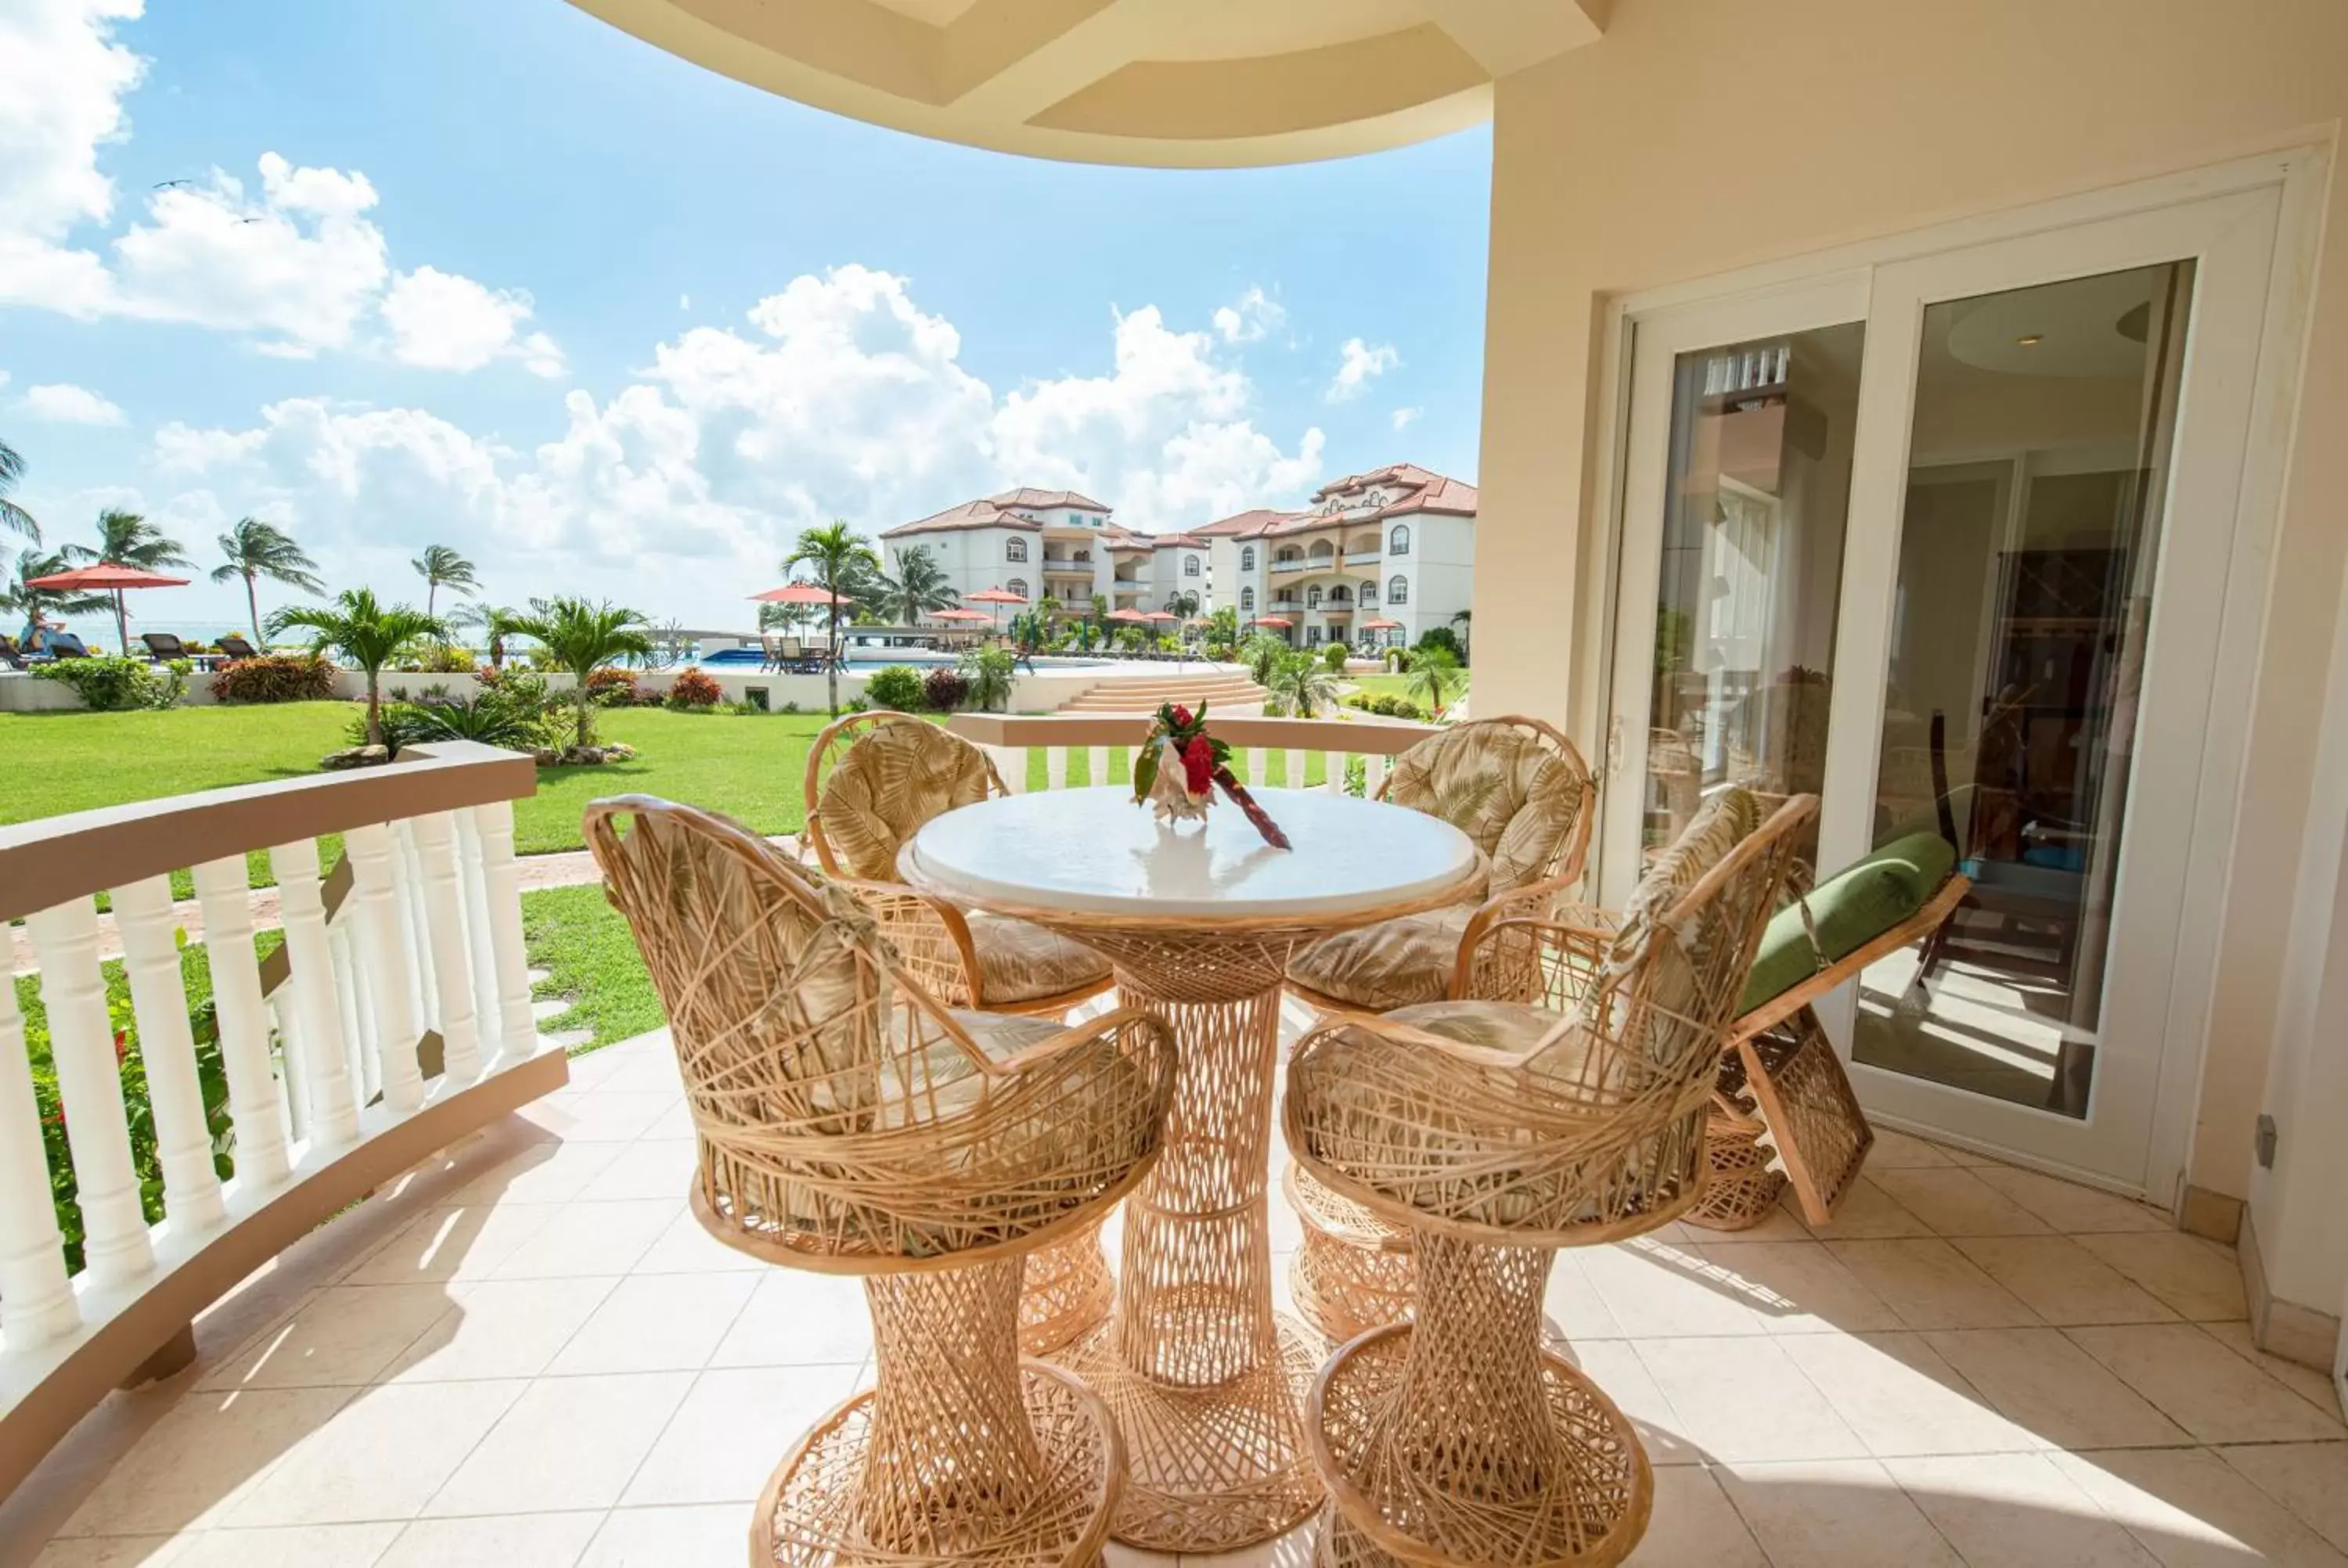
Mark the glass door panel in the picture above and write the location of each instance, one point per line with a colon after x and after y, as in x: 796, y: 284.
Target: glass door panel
x: 1756, y: 497
x: 2043, y: 426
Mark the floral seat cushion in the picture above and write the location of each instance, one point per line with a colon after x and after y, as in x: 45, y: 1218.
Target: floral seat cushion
x: 1515, y: 796
x: 1020, y: 962
x: 1391, y: 964
x: 889, y: 784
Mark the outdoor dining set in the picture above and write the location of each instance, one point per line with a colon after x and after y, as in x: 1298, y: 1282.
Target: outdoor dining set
x: 876, y: 1051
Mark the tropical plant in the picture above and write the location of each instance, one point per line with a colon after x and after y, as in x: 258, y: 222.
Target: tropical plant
x: 19, y: 596
x: 696, y: 691
x: 1301, y: 684
x: 844, y: 566
x: 1183, y: 602
x: 1333, y: 658
x: 1222, y: 633
x: 256, y: 549
x: 495, y: 622
x: 1387, y: 705
x: 126, y: 539
x: 612, y: 687
x: 1435, y: 676
x: 489, y: 717
x: 583, y: 638
x: 118, y: 685
x: 671, y: 646
x: 441, y: 566
x: 944, y: 690
x: 1262, y: 653
x: 897, y: 686
x: 14, y: 517
x: 987, y: 675
x: 1464, y: 621
x: 1441, y: 637
x: 274, y: 678
x: 366, y: 631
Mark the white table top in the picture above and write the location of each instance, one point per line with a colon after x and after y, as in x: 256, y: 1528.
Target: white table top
x: 1097, y: 851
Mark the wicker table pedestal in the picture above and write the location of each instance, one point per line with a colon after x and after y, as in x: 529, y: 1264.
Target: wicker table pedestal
x: 1205, y: 1382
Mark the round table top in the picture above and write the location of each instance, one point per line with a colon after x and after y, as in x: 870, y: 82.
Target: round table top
x: 1097, y: 852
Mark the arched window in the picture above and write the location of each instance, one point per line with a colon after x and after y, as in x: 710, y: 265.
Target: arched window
x: 1313, y: 597
x: 1398, y: 542
x: 1247, y: 558
x: 1369, y: 593
x: 1190, y: 565
x: 1247, y: 599
x: 1018, y: 585
x: 1015, y: 550
x: 1398, y: 590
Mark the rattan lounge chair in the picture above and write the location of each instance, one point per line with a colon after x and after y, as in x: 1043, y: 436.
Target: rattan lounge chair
x: 1496, y: 1133
x: 848, y: 1122
x: 872, y: 780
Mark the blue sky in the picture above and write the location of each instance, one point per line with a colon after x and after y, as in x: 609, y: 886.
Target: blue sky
x: 502, y: 288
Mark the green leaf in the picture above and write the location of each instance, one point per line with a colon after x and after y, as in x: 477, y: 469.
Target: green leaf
x: 1144, y: 771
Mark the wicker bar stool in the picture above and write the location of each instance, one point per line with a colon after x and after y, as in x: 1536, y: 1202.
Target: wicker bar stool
x: 850, y: 1123
x: 872, y: 779
x: 1496, y: 1133
x: 1523, y: 793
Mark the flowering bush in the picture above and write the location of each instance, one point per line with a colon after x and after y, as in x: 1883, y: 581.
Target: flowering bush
x: 695, y: 690
x: 611, y: 687
x: 944, y: 690
x: 275, y: 678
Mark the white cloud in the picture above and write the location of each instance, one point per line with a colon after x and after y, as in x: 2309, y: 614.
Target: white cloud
x: 1255, y: 314
x: 1358, y: 364
x: 440, y: 321
x: 62, y: 402
x: 842, y: 396
x: 1404, y: 418
x: 300, y: 264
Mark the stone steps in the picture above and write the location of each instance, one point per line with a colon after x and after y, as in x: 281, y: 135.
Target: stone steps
x: 1224, y: 690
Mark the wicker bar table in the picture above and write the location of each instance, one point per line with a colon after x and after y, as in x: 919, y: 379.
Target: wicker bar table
x: 1207, y: 1384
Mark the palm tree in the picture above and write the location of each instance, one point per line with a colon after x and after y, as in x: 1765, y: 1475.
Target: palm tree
x: 441, y: 568
x: 1300, y: 683
x: 20, y: 597
x: 364, y: 632
x: 1183, y: 602
x: 919, y: 588
x: 1433, y: 676
x: 1464, y: 621
x: 843, y: 564
x: 13, y: 516
x: 497, y: 622
x: 126, y: 539
x: 256, y: 549
x: 583, y: 638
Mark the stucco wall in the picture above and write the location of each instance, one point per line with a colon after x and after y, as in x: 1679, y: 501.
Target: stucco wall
x: 1704, y: 134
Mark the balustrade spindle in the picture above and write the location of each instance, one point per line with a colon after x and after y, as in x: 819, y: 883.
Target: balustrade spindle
x: 443, y: 903
x: 286, y: 1025
x: 385, y: 942
x: 1257, y: 766
x: 502, y: 879
x: 167, y: 1044
x: 1011, y: 762
x: 1097, y: 757
x: 331, y: 1107
x: 243, y: 1015
x: 1295, y: 777
x: 481, y: 959
x: 89, y: 1081
x: 1055, y: 768
x: 408, y: 888
x: 1374, y: 775
x: 37, y: 1300
x: 358, y: 1044
x: 1333, y: 772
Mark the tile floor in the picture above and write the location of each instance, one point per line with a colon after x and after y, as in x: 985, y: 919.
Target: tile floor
x: 529, y: 1354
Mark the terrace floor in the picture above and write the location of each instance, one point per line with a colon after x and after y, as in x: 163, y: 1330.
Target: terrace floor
x: 527, y: 1353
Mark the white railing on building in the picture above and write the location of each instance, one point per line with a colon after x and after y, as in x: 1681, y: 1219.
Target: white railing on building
x: 394, y: 1018
x: 1013, y: 742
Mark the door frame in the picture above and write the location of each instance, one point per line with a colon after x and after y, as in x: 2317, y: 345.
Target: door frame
x: 2301, y: 172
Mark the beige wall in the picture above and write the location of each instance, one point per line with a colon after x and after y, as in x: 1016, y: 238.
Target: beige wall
x: 1703, y: 135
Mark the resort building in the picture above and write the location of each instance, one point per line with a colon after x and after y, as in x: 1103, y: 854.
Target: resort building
x: 1053, y: 543
x: 1396, y: 544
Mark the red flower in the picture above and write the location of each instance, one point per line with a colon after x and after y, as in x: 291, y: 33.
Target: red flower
x: 1198, y: 765
x: 1182, y: 720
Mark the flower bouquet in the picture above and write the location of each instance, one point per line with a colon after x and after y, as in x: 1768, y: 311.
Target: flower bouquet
x: 1179, y: 765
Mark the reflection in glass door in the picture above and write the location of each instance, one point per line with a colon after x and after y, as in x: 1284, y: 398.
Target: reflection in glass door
x: 1757, y: 492
x: 2039, y: 457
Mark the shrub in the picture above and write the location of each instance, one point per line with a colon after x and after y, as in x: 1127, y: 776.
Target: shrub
x: 988, y: 673
x: 694, y: 689
x: 1334, y: 656
x: 275, y: 678
x: 1441, y: 637
x: 612, y: 687
x: 1386, y: 705
x: 119, y: 686
x: 944, y: 690
x: 897, y: 686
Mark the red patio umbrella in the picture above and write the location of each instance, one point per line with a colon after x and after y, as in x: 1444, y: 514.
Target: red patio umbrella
x: 1280, y: 621
x: 1132, y: 616
x: 994, y: 596
x: 799, y: 593
x: 958, y: 615
x: 1381, y: 624
x: 107, y: 576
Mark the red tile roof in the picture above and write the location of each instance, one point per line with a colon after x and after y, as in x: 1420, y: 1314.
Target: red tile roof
x: 1028, y: 495
x: 1166, y: 541
x: 1424, y: 491
x: 1245, y: 525
x: 969, y: 515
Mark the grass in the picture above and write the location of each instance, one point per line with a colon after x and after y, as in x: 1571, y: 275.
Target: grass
x: 1399, y: 686
x: 591, y: 962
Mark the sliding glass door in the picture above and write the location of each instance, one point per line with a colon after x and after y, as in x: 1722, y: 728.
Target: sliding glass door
x: 1955, y: 561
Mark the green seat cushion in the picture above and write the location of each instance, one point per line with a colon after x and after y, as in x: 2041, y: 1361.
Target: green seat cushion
x: 1849, y: 909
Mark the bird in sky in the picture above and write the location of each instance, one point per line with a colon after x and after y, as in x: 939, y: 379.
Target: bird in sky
x: 167, y: 184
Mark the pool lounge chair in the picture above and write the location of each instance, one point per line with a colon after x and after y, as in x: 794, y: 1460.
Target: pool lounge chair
x: 11, y: 656
x: 235, y: 647
x: 163, y: 647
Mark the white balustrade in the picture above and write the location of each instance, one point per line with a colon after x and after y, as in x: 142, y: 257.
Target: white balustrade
x: 1295, y: 777
x: 481, y: 958
x: 331, y: 1111
x: 89, y: 1084
x: 1098, y: 759
x: 516, y: 1020
x: 407, y: 890
x: 386, y: 944
x: 183, y: 1139
x: 36, y: 1302
x: 242, y: 1016
x: 442, y: 901
x: 1055, y: 768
